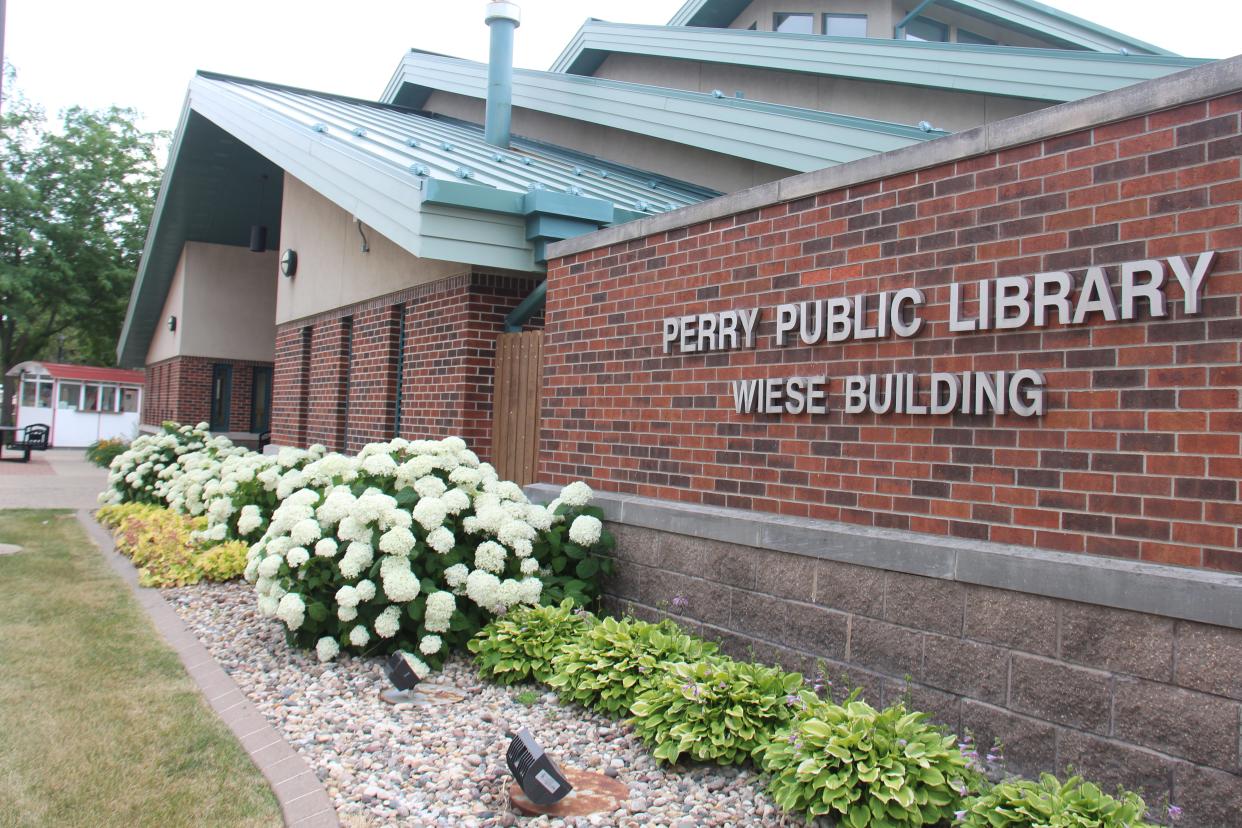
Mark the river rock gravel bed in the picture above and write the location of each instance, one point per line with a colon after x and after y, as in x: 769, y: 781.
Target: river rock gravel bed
x: 443, y: 764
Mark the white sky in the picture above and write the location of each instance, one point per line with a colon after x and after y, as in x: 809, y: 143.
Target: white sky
x: 142, y: 53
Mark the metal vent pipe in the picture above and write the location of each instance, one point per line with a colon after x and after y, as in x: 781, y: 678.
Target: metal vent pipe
x: 503, y: 19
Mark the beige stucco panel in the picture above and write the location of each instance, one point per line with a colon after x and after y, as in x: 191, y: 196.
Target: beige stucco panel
x: 230, y: 302
x: 332, y: 269
x: 166, y: 344
x: 896, y: 103
x: 698, y: 166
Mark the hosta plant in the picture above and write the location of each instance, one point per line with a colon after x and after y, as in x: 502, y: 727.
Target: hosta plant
x: 610, y: 665
x: 866, y: 767
x: 412, y: 546
x: 1052, y: 803
x: 717, y: 710
x: 520, y: 645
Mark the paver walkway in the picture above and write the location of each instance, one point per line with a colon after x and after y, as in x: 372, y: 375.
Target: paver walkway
x: 56, y: 479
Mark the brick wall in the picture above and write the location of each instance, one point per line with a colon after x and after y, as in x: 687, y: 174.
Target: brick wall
x: 1138, y: 455
x: 1126, y: 698
x: 450, y: 341
x: 179, y: 389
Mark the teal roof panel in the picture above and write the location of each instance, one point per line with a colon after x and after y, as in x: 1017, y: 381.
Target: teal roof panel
x: 1041, y: 74
x: 787, y: 137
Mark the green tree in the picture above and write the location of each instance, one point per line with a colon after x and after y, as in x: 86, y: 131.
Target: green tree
x: 74, y: 207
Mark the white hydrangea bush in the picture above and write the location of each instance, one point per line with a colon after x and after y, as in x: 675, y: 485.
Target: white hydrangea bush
x: 169, y: 468
x: 413, y: 546
x: 246, y: 489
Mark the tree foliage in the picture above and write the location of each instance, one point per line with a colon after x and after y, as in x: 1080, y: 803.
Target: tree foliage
x: 74, y: 207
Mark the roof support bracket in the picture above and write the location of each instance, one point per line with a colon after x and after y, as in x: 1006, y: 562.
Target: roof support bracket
x: 899, y: 31
x: 527, y: 308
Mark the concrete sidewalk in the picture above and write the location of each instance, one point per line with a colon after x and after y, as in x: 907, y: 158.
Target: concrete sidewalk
x: 56, y: 479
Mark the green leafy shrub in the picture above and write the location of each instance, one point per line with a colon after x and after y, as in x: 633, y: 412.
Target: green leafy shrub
x: 224, y: 561
x: 520, y: 645
x: 719, y: 710
x: 102, y: 452
x: 866, y: 767
x: 1049, y: 802
x: 611, y: 664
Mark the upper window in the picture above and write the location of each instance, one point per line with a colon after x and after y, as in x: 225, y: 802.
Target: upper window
x: 923, y: 28
x: 967, y: 36
x: 37, y: 393
x: 792, y: 23
x: 845, y: 25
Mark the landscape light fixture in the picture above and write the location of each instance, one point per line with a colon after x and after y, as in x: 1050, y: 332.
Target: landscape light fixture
x: 400, y: 672
x: 536, y: 774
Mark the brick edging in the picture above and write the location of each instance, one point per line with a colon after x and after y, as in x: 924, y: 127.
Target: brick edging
x: 304, y: 803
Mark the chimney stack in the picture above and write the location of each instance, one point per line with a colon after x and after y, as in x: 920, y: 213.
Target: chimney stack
x: 502, y: 19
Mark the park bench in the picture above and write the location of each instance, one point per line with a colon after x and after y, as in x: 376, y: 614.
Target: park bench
x: 33, y: 438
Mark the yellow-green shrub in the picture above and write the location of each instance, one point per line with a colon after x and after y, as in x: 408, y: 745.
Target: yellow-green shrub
x: 225, y: 561
x: 161, y: 543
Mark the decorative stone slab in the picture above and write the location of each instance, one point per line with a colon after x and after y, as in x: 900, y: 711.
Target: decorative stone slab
x: 425, y: 695
x: 9, y: 549
x: 593, y: 793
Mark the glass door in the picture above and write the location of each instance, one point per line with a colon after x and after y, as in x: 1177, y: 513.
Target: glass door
x: 221, y: 396
x: 261, y: 401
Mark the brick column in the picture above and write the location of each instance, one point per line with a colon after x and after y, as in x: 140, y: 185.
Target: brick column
x: 326, y: 397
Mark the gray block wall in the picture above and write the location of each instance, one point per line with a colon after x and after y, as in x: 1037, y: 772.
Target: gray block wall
x: 1130, y: 698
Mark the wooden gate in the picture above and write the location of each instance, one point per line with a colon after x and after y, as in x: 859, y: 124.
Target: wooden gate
x: 515, y: 409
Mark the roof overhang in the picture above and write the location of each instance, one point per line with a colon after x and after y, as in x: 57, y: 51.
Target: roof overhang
x: 1039, y: 74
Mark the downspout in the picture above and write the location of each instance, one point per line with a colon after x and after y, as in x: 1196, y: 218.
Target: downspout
x: 899, y: 31
x: 503, y: 19
x: 526, y: 309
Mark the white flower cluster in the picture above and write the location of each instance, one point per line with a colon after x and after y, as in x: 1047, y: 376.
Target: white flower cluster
x: 422, y: 499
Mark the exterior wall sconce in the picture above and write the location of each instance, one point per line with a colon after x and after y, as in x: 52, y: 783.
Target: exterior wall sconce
x: 172, y: 323
x: 289, y: 262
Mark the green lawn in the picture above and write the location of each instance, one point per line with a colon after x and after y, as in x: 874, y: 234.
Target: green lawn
x: 99, y: 722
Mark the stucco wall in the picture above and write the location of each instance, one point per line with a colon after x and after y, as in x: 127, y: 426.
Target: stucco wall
x: 165, y: 344
x: 224, y: 299
x: 332, y: 269
x: 943, y: 108
x: 702, y: 167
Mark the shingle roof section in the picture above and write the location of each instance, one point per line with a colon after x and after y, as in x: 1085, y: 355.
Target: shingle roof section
x: 1040, y: 74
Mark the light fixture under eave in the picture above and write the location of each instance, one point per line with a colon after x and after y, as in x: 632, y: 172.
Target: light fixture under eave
x: 258, y: 238
x: 172, y: 323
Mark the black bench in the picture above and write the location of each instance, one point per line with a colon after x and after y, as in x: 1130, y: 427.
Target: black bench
x: 34, y: 438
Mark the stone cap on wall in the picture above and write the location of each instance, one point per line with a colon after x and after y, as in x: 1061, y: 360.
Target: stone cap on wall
x: 1211, y: 79
x: 1173, y: 592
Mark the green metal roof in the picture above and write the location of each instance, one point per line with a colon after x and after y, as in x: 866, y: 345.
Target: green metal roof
x: 430, y: 184
x: 788, y: 137
x: 1041, y: 74
x: 1027, y: 16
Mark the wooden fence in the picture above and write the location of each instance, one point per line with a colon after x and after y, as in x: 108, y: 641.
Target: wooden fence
x: 515, y: 413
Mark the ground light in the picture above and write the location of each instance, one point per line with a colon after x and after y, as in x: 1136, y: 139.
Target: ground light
x: 401, y: 673
x: 540, y: 787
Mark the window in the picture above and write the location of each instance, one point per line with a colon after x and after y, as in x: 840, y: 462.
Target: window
x: 924, y: 28
x: 70, y: 396
x: 90, y: 398
x: 845, y: 25
x: 107, y: 399
x: 129, y: 400
x: 37, y: 393
x: 793, y: 23
x: 261, y: 400
x: 221, y: 396
x: 967, y: 36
